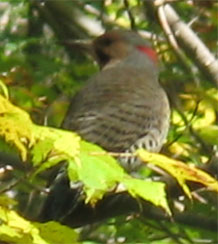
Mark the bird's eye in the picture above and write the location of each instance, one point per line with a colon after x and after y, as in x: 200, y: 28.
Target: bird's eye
x: 106, y: 42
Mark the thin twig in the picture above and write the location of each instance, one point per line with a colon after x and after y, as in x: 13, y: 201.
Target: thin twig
x: 172, y: 40
x: 173, y: 236
x: 113, y: 154
x: 188, y: 123
x: 131, y: 18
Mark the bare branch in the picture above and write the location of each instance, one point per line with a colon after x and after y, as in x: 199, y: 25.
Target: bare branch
x: 193, y: 46
x: 172, y: 40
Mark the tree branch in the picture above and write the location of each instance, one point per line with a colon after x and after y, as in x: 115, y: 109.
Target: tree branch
x: 193, y: 46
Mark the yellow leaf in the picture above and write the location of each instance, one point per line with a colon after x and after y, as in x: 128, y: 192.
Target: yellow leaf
x: 181, y: 171
x: 15, y: 126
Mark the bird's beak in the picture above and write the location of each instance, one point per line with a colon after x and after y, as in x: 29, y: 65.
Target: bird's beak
x: 85, y: 46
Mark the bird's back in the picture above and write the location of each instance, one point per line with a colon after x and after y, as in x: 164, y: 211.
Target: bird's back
x: 121, y: 109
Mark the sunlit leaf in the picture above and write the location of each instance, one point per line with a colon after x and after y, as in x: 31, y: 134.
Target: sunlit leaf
x: 4, y: 89
x: 56, y: 142
x: 182, y: 172
x: 54, y: 232
x: 151, y: 191
x: 18, y: 230
x: 15, y: 126
x: 88, y: 163
x: 97, y: 170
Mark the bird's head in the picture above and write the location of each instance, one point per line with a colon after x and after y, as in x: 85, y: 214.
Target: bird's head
x: 117, y: 45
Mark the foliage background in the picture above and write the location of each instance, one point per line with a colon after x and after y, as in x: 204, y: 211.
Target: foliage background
x: 42, y: 71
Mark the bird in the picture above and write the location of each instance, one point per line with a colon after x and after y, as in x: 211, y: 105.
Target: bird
x: 122, y: 107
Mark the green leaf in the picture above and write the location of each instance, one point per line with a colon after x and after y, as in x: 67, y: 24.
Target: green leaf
x: 97, y: 170
x: 56, y: 142
x: 5, y: 201
x: 53, y: 232
x: 15, y: 229
x: 151, y: 191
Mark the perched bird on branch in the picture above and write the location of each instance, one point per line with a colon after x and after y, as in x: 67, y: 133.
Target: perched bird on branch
x: 122, y: 107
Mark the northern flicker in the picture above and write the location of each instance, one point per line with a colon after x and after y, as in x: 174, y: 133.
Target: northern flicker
x: 122, y: 107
